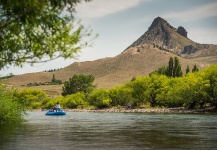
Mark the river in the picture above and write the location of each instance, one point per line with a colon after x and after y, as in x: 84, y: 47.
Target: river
x: 92, y: 130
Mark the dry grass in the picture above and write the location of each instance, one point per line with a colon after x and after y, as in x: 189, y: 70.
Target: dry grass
x: 109, y: 72
x: 206, y: 60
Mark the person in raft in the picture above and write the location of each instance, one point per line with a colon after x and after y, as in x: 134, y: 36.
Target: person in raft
x: 57, y: 107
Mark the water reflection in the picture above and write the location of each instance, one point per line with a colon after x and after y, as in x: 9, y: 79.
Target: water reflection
x: 83, y: 130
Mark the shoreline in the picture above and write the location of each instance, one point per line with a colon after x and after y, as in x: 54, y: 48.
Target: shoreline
x: 146, y: 110
x: 178, y: 110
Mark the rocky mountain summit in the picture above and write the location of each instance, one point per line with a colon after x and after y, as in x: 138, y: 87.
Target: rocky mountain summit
x: 167, y: 37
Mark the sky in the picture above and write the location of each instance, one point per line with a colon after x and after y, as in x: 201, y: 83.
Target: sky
x: 119, y: 23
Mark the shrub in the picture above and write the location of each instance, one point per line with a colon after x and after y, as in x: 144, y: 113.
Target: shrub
x: 11, y: 110
x: 100, y: 98
x: 121, y: 95
x: 75, y: 100
x: 29, y: 97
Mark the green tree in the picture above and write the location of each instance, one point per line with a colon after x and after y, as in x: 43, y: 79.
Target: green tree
x: 155, y: 88
x: 53, y: 79
x: 160, y: 71
x: 174, y: 68
x: 139, y: 88
x: 100, y: 98
x: 170, y: 68
x: 194, y: 90
x: 121, y: 95
x: 78, y: 83
x: 177, y: 70
x: 74, y: 100
x: 32, y: 30
x: 211, y: 76
x: 187, y: 70
x: 195, y: 68
x: 169, y: 95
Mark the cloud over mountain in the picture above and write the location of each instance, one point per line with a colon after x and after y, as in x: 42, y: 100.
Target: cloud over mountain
x: 97, y: 8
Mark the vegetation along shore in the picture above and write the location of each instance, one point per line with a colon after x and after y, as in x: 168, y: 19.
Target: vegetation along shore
x: 160, y: 92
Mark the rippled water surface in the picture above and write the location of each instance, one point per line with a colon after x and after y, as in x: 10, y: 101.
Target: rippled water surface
x: 89, y: 130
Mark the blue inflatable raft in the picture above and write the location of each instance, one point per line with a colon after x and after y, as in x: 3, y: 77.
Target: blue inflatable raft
x: 55, y: 113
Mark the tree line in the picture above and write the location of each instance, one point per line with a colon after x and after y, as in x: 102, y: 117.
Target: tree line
x: 194, y: 90
x: 53, y: 81
x: 174, y: 69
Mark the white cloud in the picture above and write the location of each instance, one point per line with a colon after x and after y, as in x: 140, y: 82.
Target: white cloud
x: 100, y: 8
x: 199, y: 12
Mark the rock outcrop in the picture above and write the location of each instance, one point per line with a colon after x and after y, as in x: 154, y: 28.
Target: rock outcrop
x: 181, y: 30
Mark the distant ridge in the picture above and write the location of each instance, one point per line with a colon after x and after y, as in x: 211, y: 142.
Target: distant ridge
x: 149, y: 52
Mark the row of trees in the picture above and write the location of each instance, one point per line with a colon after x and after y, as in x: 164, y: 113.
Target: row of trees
x: 53, y: 81
x: 174, y: 69
x: 194, y: 90
x: 52, y: 70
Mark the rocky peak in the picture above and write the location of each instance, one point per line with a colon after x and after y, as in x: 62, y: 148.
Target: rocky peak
x: 162, y: 34
x: 159, y: 33
x: 158, y: 22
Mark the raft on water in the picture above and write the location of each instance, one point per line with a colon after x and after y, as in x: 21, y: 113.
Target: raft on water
x: 55, y: 113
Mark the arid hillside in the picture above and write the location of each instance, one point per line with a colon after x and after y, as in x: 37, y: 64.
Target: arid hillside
x: 151, y: 51
x: 111, y: 72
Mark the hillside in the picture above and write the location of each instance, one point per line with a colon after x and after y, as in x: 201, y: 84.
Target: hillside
x: 149, y: 52
x: 110, y: 72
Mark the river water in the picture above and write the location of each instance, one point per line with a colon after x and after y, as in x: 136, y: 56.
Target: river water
x: 91, y: 130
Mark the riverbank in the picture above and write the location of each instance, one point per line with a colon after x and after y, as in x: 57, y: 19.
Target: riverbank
x: 147, y: 110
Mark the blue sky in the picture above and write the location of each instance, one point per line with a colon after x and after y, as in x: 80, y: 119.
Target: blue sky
x: 120, y: 22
